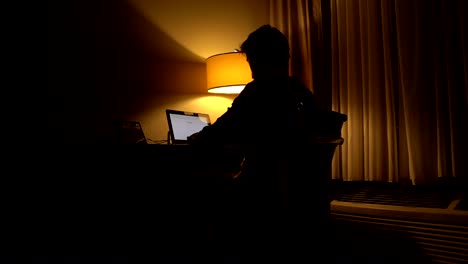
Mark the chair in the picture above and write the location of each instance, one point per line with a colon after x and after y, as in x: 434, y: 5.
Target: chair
x: 303, y: 208
x: 309, y: 170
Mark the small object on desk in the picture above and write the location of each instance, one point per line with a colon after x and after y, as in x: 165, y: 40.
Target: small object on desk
x: 128, y: 132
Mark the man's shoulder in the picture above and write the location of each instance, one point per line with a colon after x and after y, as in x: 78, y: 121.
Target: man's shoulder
x: 246, y: 93
x: 302, y: 94
x: 298, y: 85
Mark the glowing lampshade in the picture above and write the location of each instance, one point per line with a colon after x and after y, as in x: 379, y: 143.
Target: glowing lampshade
x: 227, y: 73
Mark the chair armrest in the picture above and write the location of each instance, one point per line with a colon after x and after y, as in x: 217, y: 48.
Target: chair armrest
x: 327, y: 140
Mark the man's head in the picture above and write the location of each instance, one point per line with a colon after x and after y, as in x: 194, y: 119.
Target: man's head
x: 267, y: 51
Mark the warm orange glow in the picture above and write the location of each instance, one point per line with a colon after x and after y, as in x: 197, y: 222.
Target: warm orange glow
x: 227, y: 73
x: 202, y: 27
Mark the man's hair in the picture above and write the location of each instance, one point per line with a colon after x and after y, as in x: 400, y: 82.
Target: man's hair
x: 266, y: 45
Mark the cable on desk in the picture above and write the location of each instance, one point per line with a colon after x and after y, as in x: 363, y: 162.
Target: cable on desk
x: 162, y: 141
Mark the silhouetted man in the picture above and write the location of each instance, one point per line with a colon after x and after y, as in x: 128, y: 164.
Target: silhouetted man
x: 269, y: 122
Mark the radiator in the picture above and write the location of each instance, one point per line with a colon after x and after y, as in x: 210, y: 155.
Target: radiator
x: 441, y: 234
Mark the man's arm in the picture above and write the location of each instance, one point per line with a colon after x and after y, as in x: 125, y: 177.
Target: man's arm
x: 225, y: 130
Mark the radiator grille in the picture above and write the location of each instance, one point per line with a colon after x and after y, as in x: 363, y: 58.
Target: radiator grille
x: 392, y: 196
x: 442, y: 234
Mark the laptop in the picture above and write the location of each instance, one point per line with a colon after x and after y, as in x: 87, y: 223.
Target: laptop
x: 182, y: 124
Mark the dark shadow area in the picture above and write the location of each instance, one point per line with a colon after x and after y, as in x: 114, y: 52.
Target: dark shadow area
x: 358, y: 243
x: 141, y: 204
x: 135, y: 203
x: 462, y: 205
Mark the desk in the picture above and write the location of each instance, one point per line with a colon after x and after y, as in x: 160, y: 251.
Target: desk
x: 124, y: 200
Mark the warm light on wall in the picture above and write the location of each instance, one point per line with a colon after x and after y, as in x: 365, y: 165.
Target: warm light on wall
x: 227, y: 73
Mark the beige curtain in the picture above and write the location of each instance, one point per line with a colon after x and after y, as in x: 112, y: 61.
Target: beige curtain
x: 399, y: 71
x: 363, y: 86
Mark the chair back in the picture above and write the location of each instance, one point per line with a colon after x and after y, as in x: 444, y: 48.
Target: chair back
x: 307, y: 177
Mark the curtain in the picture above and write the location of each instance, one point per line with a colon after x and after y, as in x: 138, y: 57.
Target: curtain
x: 303, y: 23
x: 363, y: 83
x: 399, y: 70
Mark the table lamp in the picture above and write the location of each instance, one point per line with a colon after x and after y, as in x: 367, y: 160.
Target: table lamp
x: 227, y: 73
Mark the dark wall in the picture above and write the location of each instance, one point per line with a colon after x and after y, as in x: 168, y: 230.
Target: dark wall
x: 105, y: 62
x: 71, y: 77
